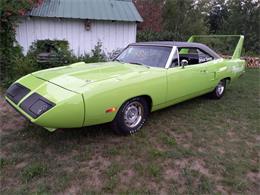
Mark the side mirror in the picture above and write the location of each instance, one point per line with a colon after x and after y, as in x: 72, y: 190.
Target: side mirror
x: 184, y: 63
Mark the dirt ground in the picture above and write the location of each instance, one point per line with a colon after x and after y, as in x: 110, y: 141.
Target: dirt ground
x: 5, y: 123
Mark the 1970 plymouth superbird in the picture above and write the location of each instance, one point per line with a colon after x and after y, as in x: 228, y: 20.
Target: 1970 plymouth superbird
x: 143, y: 78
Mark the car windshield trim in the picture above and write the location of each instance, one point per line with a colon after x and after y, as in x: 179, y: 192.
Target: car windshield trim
x: 151, y: 47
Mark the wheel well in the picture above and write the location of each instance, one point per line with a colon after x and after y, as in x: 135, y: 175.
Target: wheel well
x: 149, y: 100
x: 228, y: 79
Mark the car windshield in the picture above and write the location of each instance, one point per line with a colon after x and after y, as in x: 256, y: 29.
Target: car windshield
x: 154, y: 56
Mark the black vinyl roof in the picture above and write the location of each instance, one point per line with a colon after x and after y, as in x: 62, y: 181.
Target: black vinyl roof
x: 181, y: 44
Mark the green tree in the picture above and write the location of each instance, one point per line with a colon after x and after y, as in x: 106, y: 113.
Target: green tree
x: 10, y: 10
x: 244, y: 17
x: 217, y: 15
x: 184, y: 18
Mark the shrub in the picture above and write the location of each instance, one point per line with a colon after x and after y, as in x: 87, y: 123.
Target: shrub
x: 58, y: 55
x: 113, y: 54
x: 25, y: 66
x: 10, y: 11
x: 96, y: 55
x: 51, y: 53
x: 7, y: 65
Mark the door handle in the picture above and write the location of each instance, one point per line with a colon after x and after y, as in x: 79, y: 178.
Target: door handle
x: 204, y: 71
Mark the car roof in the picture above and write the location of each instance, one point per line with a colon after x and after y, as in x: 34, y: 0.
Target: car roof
x: 180, y: 44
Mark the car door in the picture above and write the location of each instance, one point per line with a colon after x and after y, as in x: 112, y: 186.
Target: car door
x: 184, y: 82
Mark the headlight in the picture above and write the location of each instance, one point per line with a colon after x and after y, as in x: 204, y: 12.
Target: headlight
x: 35, y: 105
x: 16, y: 92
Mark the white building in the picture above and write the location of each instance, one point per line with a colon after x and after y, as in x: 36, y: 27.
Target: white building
x: 82, y: 23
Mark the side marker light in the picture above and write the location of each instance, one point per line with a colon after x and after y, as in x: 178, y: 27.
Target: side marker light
x: 113, y: 109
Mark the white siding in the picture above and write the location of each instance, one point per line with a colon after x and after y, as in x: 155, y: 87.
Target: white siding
x: 113, y: 35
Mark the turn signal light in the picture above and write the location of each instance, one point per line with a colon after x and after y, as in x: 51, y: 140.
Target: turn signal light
x: 113, y: 109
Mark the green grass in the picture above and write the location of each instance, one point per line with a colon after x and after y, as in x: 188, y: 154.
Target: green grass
x: 201, y: 146
x: 168, y: 140
x: 197, y: 183
x: 112, y: 175
x: 113, y: 170
x: 32, y: 171
x: 3, y: 162
x: 153, y: 170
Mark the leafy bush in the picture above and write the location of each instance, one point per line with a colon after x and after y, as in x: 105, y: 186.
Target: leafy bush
x: 113, y: 54
x: 57, y: 53
x: 24, y: 66
x: 96, y: 55
x: 10, y: 11
x: 60, y: 55
x: 7, y: 64
x: 20, y: 66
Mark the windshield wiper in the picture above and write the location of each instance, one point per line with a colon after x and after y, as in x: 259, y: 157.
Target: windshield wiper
x: 119, y: 61
x: 137, y: 63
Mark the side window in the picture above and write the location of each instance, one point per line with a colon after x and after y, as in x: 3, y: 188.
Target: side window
x: 203, y: 57
x: 193, y: 56
x: 192, y: 51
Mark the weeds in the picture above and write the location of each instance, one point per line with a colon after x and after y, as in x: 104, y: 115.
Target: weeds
x: 32, y: 171
x: 112, y: 151
x: 154, y: 170
x: 112, y: 173
x: 3, y: 162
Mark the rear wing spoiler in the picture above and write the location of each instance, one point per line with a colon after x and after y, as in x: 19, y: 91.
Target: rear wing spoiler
x: 239, y: 46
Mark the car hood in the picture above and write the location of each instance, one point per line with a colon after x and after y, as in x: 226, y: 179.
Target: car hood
x: 74, y: 77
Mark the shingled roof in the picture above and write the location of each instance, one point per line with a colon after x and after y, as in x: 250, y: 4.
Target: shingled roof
x: 115, y: 10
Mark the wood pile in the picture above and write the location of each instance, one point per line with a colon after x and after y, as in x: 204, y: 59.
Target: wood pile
x: 252, y: 62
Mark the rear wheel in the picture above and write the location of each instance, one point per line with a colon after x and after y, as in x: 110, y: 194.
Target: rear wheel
x: 131, y: 116
x: 219, y: 90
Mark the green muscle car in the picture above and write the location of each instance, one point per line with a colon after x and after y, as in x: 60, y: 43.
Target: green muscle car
x: 143, y: 78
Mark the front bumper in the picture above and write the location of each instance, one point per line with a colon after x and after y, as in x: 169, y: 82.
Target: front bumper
x: 48, y: 105
x: 25, y: 115
x: 34, y: 105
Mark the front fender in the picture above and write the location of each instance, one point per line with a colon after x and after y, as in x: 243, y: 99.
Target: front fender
x: 112, y: 93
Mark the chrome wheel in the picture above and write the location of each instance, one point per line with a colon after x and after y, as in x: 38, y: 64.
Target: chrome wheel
x: 220, y: 89
x: 133, y: 114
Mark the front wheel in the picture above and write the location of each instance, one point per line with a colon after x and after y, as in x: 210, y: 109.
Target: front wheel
x: 131, y: 116
x: 219, y: 90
